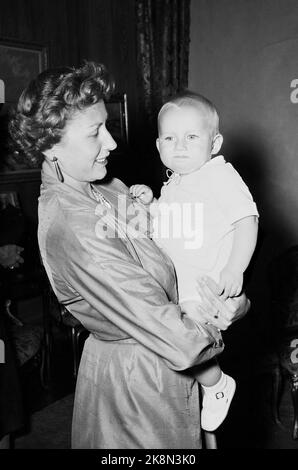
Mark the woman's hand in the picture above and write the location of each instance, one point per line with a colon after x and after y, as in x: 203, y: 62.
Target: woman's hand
x: 217, y: 311
x: 192, y: 309
x: 10, y: 256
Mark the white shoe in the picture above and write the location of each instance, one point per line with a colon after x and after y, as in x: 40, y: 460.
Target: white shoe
x: 215, y: 406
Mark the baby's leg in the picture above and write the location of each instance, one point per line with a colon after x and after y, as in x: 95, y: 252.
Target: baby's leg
x: 209, y: 374
x: 218, y: 391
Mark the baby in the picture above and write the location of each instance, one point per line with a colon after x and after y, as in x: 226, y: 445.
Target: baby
x: 206, y: 199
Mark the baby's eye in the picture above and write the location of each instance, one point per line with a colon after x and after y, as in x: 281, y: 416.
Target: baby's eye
x: 169, y: 138
x: 192, y: 136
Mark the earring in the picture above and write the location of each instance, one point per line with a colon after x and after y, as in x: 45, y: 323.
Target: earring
x: 58, y: 170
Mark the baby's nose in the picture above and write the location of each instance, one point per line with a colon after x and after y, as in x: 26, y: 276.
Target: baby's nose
x: 180, y: 143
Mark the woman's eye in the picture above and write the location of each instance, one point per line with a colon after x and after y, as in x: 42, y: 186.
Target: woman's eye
x: 95, y: 134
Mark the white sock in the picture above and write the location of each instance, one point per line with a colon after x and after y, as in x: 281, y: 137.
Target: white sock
x: 218, y: 387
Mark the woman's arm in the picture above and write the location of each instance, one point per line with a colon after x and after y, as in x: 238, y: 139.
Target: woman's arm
x: 107, y: 289
x: 115, y: 298
x: 214, y: 309
x: 125, y: 295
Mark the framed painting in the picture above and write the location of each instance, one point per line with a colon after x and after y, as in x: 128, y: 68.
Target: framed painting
x: 19, y: 63
x: 117, y: 122
x: 9, y: 198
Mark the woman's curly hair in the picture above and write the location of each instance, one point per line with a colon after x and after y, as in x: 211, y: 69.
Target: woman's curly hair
x: 49, y: 100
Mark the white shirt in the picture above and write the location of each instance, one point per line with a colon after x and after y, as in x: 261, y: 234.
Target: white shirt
x: 194, y: 221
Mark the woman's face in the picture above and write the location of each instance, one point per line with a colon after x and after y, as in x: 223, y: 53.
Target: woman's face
x: 85, y: 145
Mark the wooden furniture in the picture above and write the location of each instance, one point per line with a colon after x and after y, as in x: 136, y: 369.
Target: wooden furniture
x: 19, y: 191
x: 209, y: 440
x: 283, y: 274
x: 117, y: 122
x: 30, y: 342
x: 78, y: 335
x: 26, y: 183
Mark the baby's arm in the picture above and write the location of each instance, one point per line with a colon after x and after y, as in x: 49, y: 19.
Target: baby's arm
x: 142, y: 193
x: 245, y: 239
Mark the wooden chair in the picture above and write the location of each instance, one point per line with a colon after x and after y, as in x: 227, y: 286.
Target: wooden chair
x: 78, y: 335
x: 32, y: 342
x: 76, y: 330
x: 23, y: 283
x: 210, y: 440
x: 283, y: 275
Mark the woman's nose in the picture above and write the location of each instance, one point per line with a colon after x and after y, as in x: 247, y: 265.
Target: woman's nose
x: 110, y: 142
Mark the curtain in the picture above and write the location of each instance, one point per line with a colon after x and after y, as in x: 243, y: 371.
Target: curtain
x: 162, y: 64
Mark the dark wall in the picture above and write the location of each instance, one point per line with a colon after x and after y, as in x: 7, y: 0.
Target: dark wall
x: 74, y: 30
x: 243, y: 56
x: 52, y: 23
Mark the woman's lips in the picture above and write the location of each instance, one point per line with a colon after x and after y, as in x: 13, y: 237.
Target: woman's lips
x: 102, y: 160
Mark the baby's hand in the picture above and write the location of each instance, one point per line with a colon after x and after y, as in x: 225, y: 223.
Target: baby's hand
x: 142, y: 193
x: 230, y: 283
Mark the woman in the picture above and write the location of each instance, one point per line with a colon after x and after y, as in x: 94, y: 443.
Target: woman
x: 135, y: 387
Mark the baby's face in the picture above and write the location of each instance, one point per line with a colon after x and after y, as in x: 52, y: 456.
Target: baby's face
x: 185, y: 139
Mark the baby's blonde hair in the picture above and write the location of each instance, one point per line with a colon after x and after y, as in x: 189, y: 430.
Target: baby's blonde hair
x: 189, y: 98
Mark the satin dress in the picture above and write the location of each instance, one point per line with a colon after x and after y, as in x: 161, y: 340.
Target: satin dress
x: 135, y: 388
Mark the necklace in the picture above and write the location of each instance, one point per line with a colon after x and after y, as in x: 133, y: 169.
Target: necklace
x: 99, y: 197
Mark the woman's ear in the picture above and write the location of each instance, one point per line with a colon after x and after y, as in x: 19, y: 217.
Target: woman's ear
x: 48, y: 153
x: 217, y: 143
x: 157, y: 144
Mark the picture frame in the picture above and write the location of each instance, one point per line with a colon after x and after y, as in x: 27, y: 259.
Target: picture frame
x: 9, y: 198
x: 117, y: 121
x: 20, y: 62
